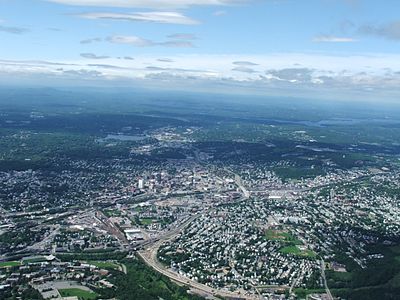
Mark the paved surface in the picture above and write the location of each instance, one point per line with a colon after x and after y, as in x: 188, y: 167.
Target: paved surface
x: 149, y: 256
x: 324, y: 280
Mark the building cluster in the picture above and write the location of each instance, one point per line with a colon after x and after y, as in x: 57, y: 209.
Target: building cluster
x: 50, y: 277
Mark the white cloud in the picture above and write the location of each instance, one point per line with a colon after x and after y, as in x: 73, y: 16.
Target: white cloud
x: 389, y: 31
x: 166, y: 60
x: 93, y: 56
x: 90, y: 41
x: 13, y: 29
x: 182, y: 36
x: 219, y: 13
x: 176, y: 44
x: 244, y: 63
x: 130, y: 40
x: 292, y: 75
x: 244, y: 70
x: 160, y: 4
x: 154, y: 17
x: 318, y: 72
x: 141, y: 42
x: 333, y: 39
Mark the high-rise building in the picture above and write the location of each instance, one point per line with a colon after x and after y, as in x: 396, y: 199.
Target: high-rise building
x: 141, y: 183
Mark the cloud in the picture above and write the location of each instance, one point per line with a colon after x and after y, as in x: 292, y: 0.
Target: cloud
x: 182, y: 36
x: 153, y: 17
x: 86, y: 74
x: 333, y: 39
x: 160, y: 4
x: 244, y: 70
x: 141, y: 42
x: 93, y: 56
x: 105, y: 66
x: 244, y: 63
x: 175, y: 70
x: 13, y: 30
x: 35, y: 62
x: 130, y: 40
x: 346, y: 26
x: 54, y: 29
x: 167, y: 60
x: 219, y: 13
x: 90, y: 41
x: 293, y: 75
x: 389, y: 31
x: 348, y: 30
x: 319, y: 74
x: 176, y: 44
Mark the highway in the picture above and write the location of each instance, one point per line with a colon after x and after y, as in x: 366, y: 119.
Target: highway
x: 324, y: 280
x: 149, y: 256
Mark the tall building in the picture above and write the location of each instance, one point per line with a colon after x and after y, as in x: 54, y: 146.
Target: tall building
x: 158, y: 177
x: 141, y: 183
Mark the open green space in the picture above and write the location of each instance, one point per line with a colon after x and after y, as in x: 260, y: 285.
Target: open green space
x: 7, y: 264
x: 281, y: 235
x: 380, y: 280
x: 112, y: 213
x: 142, y: 282
x: 146, y: 221
x: 81, y: 294
x: 34, y: 260
x: 296, y: 251
x: 339, y: 276
x: 302, y: 293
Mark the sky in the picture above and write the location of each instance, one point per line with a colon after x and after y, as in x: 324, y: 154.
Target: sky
x: 340, y: 49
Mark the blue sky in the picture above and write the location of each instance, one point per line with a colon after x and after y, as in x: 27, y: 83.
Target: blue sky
x: 349, y: 47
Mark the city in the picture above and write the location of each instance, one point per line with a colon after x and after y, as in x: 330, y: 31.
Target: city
x: 224, y: 230
x: 199, y: 150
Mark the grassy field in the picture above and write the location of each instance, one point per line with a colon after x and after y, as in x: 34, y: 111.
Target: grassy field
x: 280, y: 235
x: 6, y: 264
x: 81, y: 294
x: 339, y: 276
x: 142, y: 282
x: 272, y: 234
x: 146, y: 221
x: 302, y: 292
x: 296, y: 251
x: 112, y: 213
x: 34, y: 260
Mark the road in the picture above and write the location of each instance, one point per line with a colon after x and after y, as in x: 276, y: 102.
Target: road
x: 239, y: 183
x: 149, y: 256
x: 324, y: 280
x: 46, y: 241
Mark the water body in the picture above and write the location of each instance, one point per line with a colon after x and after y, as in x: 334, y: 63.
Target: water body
x: 124, y: 138
x: 333, y: 122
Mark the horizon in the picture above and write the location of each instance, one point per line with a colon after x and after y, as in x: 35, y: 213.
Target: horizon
x: 321, y: 49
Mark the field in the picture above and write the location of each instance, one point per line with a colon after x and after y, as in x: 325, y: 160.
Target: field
x: 146, y: 221
x: 7, y: 264
x: 302, y: 292
x: 112, y: 213
x: 81, y: 294
x: 142, y: 282
x: 296, y: 251
x: 281, y: 235
x: 34, y: 260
